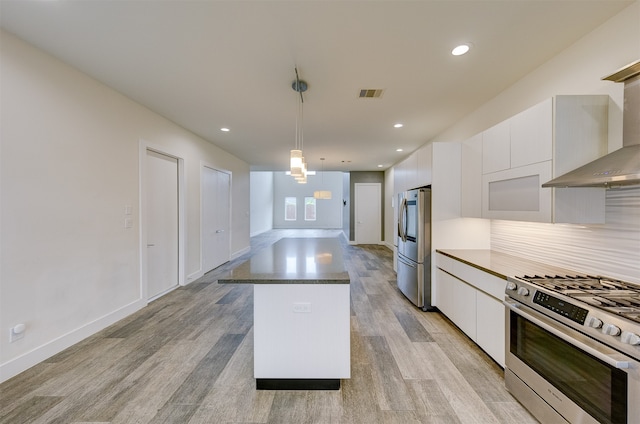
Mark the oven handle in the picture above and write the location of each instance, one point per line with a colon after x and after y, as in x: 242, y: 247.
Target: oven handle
x: 614, y: 362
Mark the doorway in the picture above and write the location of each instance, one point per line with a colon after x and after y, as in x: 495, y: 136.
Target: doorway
x: 216, y: 217
x: 368, y: 220
x: 161, y: 224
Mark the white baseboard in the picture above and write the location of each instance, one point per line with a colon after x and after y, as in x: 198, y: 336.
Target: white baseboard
x: 391, y: 246
x: 194, y: 276
x: 240, y: 252
x: 353, y: 243
x: 25, y: 361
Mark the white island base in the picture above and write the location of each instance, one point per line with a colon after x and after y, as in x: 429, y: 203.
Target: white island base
x: 301, y: 305
x: 301, y: 336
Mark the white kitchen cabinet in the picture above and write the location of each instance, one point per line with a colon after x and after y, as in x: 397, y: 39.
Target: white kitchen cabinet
x: 425, y: 165
x: 405, y: 174
x: 445, y: 296
x: 490, y: 326
x: 471, y: 178
x: 457, y: 300
x: 545, y: 141
x: 532, y: 135
x: 515, y: 194
x: 496, y: 148
x: 472, y: 300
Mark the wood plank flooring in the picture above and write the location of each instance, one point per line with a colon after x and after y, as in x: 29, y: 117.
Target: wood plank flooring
x: 188, y: 358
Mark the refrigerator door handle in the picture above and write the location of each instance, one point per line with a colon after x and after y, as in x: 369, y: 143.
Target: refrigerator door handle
x: 402, y: 222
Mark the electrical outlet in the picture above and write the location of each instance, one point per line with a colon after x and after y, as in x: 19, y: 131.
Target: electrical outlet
x: 16, y: 333
x: 302, y: 307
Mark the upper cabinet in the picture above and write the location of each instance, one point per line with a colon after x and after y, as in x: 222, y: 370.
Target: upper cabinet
x: 496, y: 148
x: 471, y: 177
x: 415, y: 171
x: 529, y: 149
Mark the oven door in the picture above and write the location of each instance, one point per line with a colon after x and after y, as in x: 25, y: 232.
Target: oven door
x: 561, y: 375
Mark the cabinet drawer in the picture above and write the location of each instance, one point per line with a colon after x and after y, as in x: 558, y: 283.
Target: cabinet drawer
x: 481, y: 280
x: 445, y: 262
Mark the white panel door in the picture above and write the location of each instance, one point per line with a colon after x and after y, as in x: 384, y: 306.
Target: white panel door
x: 161, y: 217
x: 367, y: 213
x: 215, y: 218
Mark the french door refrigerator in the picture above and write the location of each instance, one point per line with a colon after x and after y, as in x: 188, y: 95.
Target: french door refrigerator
x: 414, y: 246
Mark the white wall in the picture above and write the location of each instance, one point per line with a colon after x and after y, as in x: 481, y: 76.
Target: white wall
x: 261, y: 201
x: 328, y: 212
x: 69, y: 165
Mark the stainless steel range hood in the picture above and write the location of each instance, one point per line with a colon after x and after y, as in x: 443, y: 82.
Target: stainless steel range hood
x: 621, y: 167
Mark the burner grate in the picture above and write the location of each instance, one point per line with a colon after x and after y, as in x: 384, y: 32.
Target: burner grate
x: 618, y: 297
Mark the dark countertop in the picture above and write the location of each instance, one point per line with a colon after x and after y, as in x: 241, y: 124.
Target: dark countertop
x: 293, y: 261
x: 503, y: 265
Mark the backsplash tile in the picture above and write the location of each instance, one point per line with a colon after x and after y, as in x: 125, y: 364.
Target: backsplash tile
x: 611, y: 249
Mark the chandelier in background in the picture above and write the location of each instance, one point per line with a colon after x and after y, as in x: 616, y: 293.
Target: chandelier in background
x: 298, y: 165
x: 322, y: 194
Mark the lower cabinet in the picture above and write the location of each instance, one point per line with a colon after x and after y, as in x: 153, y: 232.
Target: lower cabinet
x: 472, y: 300
x: 490, y: 326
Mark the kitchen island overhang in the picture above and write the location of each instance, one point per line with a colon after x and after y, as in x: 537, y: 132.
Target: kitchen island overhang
x: 301, y: 314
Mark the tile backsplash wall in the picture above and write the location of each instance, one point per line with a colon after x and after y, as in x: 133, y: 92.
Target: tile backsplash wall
x: 611, y: 249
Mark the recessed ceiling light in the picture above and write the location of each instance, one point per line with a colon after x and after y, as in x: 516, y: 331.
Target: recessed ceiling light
x: 461, y: 49
x: 398, y: 125
x: 398, y: 150
x: 380, y: 166
x: 224, y: 129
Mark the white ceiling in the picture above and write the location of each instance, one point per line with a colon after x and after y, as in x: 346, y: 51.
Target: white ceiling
x: 212, y: 64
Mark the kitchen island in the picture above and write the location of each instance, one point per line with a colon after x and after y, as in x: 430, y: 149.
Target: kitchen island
x: 301, y: 314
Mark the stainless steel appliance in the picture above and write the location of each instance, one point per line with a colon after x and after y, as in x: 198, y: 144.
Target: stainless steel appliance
x: 573, y: 348
x: 621, y: 167
x: 414, y: 246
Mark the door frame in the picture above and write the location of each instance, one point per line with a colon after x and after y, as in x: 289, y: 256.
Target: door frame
x: 143, y: 146
x: 355, y: 210
x: 203, y: 165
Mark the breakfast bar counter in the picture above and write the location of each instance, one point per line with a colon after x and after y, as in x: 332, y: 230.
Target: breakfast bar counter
x: 301, y: 313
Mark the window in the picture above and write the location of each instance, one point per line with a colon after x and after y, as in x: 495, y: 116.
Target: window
x: 290, y: 209
x: 309, y: 209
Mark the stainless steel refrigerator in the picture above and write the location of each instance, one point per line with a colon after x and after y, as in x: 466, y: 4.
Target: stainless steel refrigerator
x: 414, y: 246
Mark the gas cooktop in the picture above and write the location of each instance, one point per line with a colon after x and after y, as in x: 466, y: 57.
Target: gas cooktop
x: 617, y: 297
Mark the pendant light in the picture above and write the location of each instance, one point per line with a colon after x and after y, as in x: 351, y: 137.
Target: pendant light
x: 297, y: 164
x: 322, y: 194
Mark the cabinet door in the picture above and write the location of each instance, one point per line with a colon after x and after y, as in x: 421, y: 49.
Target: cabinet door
x: 532, y: 135
x: 411, y: 171
x: 471, y: 173
x: 516, y: 194
x: 490, y: 328
x: 496, y: 148
x: 444, y: 298
x: 457, y: 300
x: 425, y: 165
x: 465, y: 307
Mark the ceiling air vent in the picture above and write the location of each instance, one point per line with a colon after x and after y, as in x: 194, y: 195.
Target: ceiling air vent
x: 371, y: 93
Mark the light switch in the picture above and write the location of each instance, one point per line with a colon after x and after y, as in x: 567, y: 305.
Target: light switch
x: 128, y: 210
x: 128, y: 223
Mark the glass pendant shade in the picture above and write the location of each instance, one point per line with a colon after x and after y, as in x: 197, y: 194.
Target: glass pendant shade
x: 302, y: 178
x: 296, y: 163
x: 322, y: 194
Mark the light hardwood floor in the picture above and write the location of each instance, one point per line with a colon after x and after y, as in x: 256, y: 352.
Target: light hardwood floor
x: 188, y: 358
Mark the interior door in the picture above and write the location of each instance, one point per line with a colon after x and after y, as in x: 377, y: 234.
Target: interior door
x: 367, y: 213
x: 161, y: 215
x: 216, y: 217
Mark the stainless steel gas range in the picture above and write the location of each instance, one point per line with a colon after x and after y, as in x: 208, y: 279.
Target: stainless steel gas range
x: 573, y: 348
